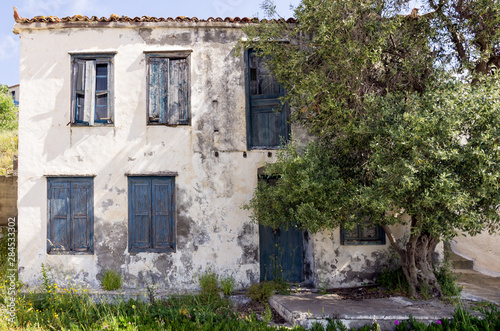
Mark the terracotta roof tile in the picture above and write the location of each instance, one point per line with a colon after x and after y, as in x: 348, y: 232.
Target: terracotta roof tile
x: 116, y: 18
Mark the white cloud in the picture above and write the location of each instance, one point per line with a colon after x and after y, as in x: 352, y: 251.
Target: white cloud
x: 9, y: 47
x: 61, y: 8
x: 31, y: 8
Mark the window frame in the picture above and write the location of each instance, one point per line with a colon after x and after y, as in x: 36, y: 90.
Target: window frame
x: 169, y: 55
x: 98, y: 58
x: 70, y: 200
x: 250, y: 129
x: 133, y: 243
x: 360, y: 240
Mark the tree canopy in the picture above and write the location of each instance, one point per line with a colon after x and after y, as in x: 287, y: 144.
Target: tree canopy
x: 8, y: 110
x: 406, y: 112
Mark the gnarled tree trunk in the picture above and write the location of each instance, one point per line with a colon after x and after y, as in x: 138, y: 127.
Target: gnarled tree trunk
x: 417, y: 261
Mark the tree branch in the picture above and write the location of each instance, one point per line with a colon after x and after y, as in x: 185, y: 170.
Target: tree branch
x: 393, y: 242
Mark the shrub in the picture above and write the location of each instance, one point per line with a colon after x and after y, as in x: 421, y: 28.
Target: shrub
x: 261, y: 292
x: 112, y: 280
x: 447, y: 280
x: 209, y: 283
x: 227, y: 284
x: 393, y: 280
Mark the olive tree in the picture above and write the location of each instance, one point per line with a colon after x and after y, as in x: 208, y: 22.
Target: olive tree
x: 405, y: 109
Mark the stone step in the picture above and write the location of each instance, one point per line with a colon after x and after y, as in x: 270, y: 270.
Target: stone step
x: 459, y: 262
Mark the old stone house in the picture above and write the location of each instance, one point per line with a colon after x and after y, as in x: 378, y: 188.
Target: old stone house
x: 140, y: 140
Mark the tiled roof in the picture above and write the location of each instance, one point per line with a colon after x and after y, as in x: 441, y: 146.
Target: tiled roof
x: 116, y: 18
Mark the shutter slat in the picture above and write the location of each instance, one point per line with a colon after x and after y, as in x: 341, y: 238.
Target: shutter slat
x: 158, y: 69
x: 59, y: 217
x: 89, y: 105
x: 80, y: 214
x: 178, y: 91
x: 162, y: 229
x: 140, y: 218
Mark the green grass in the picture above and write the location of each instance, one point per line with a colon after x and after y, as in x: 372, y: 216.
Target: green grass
x: 52, y: 306
x: 111, y: 280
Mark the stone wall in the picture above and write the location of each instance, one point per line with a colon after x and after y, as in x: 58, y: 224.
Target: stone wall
x: 8, y: 198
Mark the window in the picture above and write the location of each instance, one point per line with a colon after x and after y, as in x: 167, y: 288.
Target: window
x: 70, y: 228
x: 363, y: 235
x: 267, y: 117
x: 151, y: 214
x: 92, y: 101
x: 168, y: 89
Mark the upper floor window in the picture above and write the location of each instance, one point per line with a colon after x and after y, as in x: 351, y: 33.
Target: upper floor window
x: 92, y: 88
x: 168, y: 88
x: 267, y: 117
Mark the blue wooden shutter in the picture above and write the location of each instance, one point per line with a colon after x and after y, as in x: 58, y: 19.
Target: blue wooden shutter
x: 268, y: 118
x: 59, y: 227
x: 139, y: 214
x: 79, y: 90
x: 81, y: 215
x: 158, y: 89
x: 178, y: 98
x: 163, y: 230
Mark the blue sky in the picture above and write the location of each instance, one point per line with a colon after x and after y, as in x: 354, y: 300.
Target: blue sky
x: 9, y: 43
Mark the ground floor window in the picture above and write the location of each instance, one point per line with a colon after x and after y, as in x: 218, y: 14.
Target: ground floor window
x: 70, y: 228
x: 151, y: 214
x: 363, y: 235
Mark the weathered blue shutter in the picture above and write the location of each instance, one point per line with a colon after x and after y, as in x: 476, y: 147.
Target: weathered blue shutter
x: 158, y: 90
x: 59, y: 227
x: 79, y: 90
x: 268, y: 118
x: 140, y: 213
x: 81, y: 215
x: 178, y: 105
x: 163, y: 231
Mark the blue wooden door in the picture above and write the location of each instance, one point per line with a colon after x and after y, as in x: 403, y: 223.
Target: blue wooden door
x: 281, y: 254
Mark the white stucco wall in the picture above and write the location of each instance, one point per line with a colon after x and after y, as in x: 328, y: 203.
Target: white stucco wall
x: 483, y: 249
x: 212, y: 229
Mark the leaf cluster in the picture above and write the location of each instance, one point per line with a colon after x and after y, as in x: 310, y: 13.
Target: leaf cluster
x: 8, y: 110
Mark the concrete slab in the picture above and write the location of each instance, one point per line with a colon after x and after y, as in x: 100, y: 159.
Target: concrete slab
x: 307, y: 309
x: 479, y: 287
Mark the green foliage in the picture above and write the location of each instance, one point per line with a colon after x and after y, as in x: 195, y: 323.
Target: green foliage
x: 209, y: 283
x: 227, y: 284
x: 8, y: 110
x: 393, y: 280
x: 261, y: 292
x: 447, y: 280
x: 111, y: 280
x: 8, y: 148
x: 4, y: 252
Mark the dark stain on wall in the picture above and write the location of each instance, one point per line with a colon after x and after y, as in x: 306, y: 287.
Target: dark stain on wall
x: 110, y: 241
x: 166, y: 38
x: 246, y: 242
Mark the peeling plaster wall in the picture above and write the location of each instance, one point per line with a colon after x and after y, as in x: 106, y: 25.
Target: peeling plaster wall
x: 337, y: 265
x: 212, y: 229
